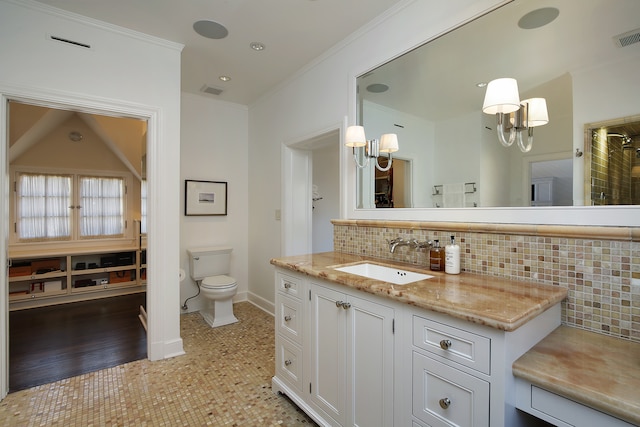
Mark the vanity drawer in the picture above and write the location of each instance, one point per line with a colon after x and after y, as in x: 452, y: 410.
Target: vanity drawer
x: 445, y: 396
x: 288, y: 285
x: 289, y: 362
x: 288, y: 318
x: 560, y: 410
x: 457, y: 345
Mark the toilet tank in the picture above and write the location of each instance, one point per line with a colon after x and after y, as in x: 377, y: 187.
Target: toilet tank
x: 209, y: 261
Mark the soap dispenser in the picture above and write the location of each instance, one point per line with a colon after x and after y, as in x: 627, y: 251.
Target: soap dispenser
x: 436, y: 257
x: 452, y: 257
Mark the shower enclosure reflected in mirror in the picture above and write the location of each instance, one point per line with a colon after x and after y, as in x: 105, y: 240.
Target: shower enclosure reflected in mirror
x: 613, y: 151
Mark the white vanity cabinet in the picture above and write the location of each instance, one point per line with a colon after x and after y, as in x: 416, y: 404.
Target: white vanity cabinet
x: 334, y: 352
x: 352, y: 356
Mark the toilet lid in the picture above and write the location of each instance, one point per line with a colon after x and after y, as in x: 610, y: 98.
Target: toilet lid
x: 218, y: 282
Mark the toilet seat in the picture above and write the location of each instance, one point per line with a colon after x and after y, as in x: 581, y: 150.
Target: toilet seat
x: 218, y: 282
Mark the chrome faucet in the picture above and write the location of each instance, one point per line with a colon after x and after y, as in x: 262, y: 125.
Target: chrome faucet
x: 413, y: 243
x: 425, y: 244
x: 398, y: 241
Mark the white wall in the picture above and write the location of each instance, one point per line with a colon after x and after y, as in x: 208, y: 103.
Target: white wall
x: 457, y: 151
x: 123, y: 71
x: 319, y: 96
x: 214, y: 147
x: 326, y: 162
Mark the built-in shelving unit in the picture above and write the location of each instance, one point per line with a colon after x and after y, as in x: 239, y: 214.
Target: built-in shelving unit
x: 46, y: 278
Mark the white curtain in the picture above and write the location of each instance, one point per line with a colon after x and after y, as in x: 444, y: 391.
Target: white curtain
x: 101, y: 206
x: 43, y: 206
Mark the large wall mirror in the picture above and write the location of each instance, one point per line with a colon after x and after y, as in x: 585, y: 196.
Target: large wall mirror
x: 582, y: 56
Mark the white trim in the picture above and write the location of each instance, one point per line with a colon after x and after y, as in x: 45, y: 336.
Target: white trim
x: 4, y: 233
x: 261, y: 303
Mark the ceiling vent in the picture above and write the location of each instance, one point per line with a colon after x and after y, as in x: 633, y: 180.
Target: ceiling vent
x: 211, y: 90
x: 71, y: 42
x: 628, y: 38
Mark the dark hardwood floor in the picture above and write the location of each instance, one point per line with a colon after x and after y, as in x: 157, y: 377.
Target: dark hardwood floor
x: 52, y: 343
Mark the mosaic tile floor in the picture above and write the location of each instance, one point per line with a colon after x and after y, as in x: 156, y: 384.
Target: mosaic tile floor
x: 223, y: 380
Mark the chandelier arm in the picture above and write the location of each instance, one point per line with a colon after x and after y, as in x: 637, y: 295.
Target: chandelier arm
x: 525, y: 148
x: 355, y: 159
x: 381, y: 169
x: 501, y: 131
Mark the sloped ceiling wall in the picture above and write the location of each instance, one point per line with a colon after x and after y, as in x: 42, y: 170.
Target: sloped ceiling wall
x: 39, y: 136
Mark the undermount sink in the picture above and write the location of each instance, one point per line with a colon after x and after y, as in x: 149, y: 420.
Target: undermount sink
x: 383, y: 273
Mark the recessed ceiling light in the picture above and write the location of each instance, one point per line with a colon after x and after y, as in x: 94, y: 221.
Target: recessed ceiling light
x: 377, y: 88
x: 257, y: 46
x: 210, y: 29
x: 225, y: 78
x: 481, y: 84
x: 75, y: 136
x: 538, y: 18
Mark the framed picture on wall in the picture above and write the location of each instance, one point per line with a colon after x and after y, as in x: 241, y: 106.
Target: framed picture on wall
x: 205, y: 198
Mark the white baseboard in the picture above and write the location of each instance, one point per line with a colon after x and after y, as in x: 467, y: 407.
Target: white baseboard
x: 262, y: 303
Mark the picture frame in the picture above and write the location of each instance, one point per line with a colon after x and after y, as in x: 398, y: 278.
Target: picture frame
x: 205, y: 198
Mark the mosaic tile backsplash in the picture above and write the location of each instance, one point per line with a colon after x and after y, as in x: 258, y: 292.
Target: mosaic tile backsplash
x: 602, y: 276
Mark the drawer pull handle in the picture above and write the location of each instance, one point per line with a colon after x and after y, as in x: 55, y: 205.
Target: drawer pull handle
x: 445, y: 402
x: 288, y: 362
x: 445, y: 344
x: 287, y: 318
x: 287, y: 285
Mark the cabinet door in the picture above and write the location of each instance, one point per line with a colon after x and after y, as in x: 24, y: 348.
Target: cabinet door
x: 328, y: 352
x: 370, y: 357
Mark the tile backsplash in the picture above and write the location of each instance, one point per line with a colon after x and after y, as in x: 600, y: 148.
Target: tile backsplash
x: 602, y: 275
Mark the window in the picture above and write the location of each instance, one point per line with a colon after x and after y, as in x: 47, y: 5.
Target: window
x: 68, y: 207
x: 43, y: 206
x: 101, y: 206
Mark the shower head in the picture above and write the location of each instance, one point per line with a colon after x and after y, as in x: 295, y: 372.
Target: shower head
x: 626, y: 140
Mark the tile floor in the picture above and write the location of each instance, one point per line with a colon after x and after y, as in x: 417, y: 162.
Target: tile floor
x: 223, y: 380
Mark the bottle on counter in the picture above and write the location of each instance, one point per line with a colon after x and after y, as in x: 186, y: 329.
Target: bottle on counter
x: 436, y: 257
x: 452, y: 257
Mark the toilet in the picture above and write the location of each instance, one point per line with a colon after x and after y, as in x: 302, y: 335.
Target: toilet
x: 209, y: 268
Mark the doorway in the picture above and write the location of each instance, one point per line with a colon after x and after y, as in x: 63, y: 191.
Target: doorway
x: 547, y: 180
x: 52, y: 141
x: 311, y: 192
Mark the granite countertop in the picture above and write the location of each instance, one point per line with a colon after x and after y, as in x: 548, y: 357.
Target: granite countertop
x: 599, y: 371
x: 501, y: 303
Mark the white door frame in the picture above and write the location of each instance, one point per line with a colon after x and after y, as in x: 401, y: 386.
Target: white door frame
x: 86, y: 104
x: 297, y: 192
